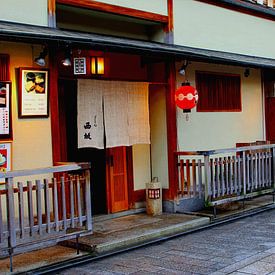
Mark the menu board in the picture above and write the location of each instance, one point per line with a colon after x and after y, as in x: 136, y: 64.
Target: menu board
x: 5, y: 158
x: 5, y: 109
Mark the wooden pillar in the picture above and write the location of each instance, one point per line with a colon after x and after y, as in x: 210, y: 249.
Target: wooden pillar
x: 169, y: 29
x: 54, y: 109
x: 171, y: 132
x: 51, y: 14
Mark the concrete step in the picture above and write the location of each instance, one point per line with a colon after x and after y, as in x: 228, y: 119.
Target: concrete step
x: 144, y: 231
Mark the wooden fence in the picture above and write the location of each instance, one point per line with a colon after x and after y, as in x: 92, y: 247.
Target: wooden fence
x: 42, y: 210
x: 226, y: 174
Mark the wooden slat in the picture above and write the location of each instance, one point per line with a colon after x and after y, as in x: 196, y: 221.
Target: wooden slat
x: 79, y: 201
x: 248, y: 172
x: 88, y: 201
x: 266, y: 168
x: 230, y: 176
x: 194, y: 177
x: 21, y: 209
x: 235, y: 175
x: 72, y: 201
x: 55, y: 204
x: 239, y: 175
x: 10, y: 213
x: 64, y: 212
x: 30, y: 207
x: 225, y: 161
x: 187, y: 163
x: 222, y: 175
x: 244, y: 172
x: 39, y: 206
x: 200, y: 178
x: 182, y: 176
x: 47, y: 205
x: 218, y: 177
x: 252, y: 172
x: 207, y: 178
x: 213, y: 182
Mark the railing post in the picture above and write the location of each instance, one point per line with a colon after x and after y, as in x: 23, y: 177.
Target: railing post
x: 244, y: 173
x: 207, y: 177
x: 88, y: 200
x: 11, y: 218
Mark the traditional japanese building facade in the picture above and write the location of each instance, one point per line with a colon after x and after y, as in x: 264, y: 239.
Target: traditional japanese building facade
x: 231, y: 42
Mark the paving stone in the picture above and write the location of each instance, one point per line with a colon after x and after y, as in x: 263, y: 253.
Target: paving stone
x: 259, y: 268
x: 239, y: 248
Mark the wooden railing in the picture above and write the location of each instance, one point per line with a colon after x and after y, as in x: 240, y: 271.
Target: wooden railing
x: 40, y: 210
x: 226, y: 174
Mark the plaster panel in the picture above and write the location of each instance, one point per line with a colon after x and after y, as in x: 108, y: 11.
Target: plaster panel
x: 141, y: 165
x: 206, y: 26
x: 28, y: 11
x: 159, y: 135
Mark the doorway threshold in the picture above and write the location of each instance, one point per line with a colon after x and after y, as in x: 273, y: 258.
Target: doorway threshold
x: 105, y: 217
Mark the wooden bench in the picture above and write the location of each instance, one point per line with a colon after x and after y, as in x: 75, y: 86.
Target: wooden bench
x: 40, y: 211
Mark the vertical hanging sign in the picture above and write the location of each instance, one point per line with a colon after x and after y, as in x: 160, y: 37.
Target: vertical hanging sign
x: 5, y: 110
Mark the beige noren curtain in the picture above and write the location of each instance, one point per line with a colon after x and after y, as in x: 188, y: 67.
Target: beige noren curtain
x: 125, y: 113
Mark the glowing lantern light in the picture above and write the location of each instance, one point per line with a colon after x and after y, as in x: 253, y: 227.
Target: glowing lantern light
x: 97, y: 65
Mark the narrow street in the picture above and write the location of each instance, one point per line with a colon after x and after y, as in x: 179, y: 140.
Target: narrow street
x: 246, y: 246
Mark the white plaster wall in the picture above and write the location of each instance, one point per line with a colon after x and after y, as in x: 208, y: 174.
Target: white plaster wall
x: 159, y: 135
x: 31, y: 145
x: 217, y: 130
x: 201, y: 25
x: 155, y: 6
x: 141, y: 165
x: 33, y: 12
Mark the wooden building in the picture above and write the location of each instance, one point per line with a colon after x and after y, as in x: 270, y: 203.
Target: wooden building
x: 99, y: 53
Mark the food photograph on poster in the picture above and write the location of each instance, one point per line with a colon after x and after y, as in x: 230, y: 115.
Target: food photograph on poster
x: 33, y: 93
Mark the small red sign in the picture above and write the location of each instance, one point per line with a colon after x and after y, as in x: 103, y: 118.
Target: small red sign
x: 186, y: 97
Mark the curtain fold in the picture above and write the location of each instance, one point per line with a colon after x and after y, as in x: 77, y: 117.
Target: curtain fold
x: 125, y: 111
x: 89, y: 114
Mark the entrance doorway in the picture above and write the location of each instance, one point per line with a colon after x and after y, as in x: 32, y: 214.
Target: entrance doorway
x: 109, y: 185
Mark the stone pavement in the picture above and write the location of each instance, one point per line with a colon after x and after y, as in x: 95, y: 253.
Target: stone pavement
x: 116, y: 231
x: 246, y: 246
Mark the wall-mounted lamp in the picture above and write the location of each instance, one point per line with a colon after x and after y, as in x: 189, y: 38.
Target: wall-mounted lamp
x: 97, y: 65
x: 246, y: 72
x: 40, y: 60
x: 67, y: 60
x: 183, y: 67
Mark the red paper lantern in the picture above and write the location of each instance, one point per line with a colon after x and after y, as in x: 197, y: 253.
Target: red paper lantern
x: 186, y: 97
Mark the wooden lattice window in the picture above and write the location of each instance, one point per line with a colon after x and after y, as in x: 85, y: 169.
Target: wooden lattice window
x: 4, y: 67
x: 218, y: 92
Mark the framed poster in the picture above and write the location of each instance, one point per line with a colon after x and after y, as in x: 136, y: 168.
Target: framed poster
x: 5, y: 110
x: 33, y: 94
x: 5, y: 158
